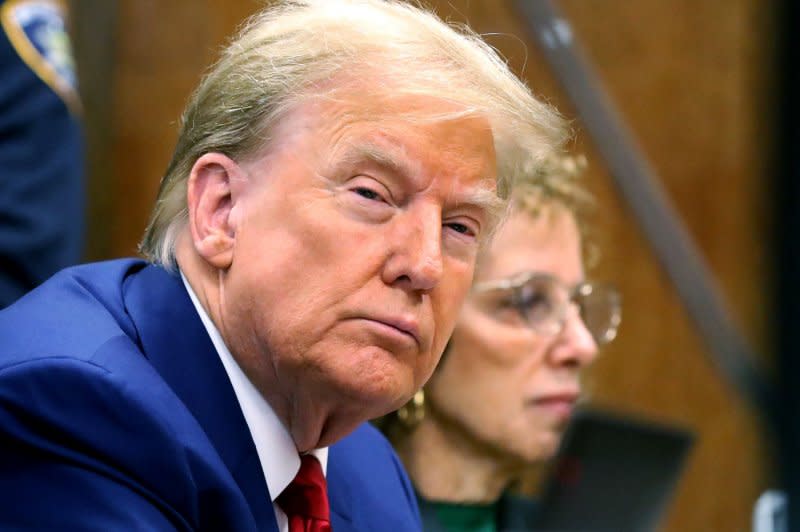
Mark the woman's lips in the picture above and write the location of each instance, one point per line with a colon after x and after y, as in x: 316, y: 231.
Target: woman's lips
x: 559, y: 405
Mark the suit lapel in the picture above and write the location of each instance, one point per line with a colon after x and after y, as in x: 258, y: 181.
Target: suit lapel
x: 175, y: 341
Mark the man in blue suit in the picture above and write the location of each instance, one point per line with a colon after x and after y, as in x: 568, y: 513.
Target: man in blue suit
x: 335, y: 175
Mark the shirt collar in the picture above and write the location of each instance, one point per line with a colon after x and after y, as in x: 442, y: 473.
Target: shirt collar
x: 275, y: 447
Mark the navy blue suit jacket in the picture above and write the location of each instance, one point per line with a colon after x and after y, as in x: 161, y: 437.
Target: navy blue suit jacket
x: 117, y: 414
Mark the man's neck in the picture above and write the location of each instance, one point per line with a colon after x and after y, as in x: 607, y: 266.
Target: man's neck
x: 446, y: 467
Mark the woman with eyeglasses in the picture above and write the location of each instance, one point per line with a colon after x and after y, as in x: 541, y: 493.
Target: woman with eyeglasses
x: 510, y: 377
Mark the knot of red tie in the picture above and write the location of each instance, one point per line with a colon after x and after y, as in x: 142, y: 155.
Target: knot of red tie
x: 305, y: 500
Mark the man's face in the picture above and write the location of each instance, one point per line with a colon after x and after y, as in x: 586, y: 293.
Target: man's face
x: 506, y: 387
x: 355, y: 241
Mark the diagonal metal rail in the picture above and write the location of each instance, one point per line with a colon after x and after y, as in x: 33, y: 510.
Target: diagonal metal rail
x: 637, y: 182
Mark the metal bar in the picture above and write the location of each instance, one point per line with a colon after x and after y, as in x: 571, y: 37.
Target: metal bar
x: 636, y: 181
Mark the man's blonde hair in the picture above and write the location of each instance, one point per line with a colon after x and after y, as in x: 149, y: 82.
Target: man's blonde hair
x: 299, y: 49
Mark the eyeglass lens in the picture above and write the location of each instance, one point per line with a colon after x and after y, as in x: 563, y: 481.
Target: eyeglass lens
x: 543, y: 301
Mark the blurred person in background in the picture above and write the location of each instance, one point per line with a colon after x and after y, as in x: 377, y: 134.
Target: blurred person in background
x: 510, y: 377
x: 41, y: 148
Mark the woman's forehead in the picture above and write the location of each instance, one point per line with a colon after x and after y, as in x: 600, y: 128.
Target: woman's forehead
x: 548, y: 242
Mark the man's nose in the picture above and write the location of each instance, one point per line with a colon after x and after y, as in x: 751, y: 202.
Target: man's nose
x: 416, y: 258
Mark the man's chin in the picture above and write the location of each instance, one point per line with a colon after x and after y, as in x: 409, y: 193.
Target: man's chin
x: 372, y: 401
x: 379, y: 393
x: 379, y: 404
x: 360, y: 409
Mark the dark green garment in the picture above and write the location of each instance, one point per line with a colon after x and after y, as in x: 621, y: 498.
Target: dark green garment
x: 511, y: 513
x: 466, y: 517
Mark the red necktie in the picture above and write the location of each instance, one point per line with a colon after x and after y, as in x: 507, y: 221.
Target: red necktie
x: 305, y: 500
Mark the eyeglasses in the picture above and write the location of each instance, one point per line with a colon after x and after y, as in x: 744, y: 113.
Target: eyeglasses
x: 543, y: 301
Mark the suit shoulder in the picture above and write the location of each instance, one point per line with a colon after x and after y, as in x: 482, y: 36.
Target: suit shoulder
x: 119, y: 428
x: 366, y: 476
x: 370, y: 450
x: 120, y: 396
x: 72, y: 314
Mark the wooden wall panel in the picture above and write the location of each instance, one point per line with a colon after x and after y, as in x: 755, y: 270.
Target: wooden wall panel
x: 163, y: 49
x: 689, y: 78
x: 93, y: 27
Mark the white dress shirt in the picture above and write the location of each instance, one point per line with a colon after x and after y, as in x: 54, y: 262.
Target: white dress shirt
x: 276, y: 449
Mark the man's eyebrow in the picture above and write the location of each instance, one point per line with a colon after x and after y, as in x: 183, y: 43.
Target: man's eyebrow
x: 377, y: 154
x: 481, y: 197
x: 485, y: 199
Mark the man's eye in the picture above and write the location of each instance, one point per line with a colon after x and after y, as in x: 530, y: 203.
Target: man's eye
x: 368, y: 193
x: 463, y: 229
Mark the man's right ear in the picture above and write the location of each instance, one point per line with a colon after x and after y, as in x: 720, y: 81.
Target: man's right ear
x: 210, y: 200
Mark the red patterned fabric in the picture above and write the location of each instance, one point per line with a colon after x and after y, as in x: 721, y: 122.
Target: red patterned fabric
x: 305, y: 500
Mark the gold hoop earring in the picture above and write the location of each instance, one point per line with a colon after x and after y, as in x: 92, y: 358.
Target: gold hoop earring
x: 413, y: 412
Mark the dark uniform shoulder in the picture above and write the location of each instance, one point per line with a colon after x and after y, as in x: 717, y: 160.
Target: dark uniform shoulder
x: 41, y: 148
